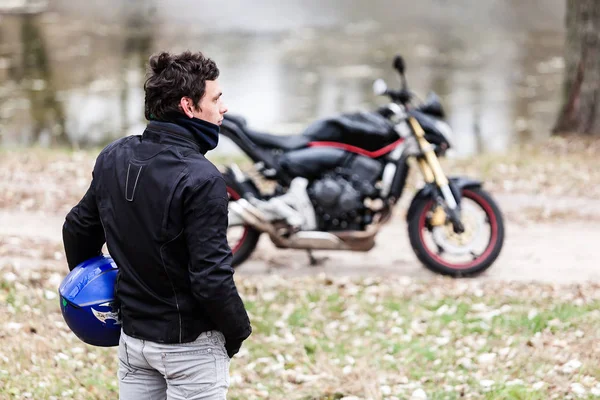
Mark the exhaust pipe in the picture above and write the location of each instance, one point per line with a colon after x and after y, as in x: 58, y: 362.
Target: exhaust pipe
x: 314, y: 240
x: 242, y: 212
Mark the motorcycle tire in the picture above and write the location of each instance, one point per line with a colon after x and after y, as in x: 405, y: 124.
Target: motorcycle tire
x: 246, y: 245
x: 431, y: 260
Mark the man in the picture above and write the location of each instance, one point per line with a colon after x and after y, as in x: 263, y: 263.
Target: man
x: 161, y: 207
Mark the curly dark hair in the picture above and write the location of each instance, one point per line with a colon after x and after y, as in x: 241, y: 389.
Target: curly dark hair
x: 173, y: 76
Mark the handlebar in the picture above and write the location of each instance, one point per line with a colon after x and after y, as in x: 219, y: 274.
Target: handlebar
x: 401, y: 96
x: 392, y: 111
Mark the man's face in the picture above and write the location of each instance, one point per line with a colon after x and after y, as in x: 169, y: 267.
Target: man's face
x: 211, y: 107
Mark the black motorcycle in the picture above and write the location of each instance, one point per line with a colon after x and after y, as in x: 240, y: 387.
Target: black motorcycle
x: 335, y: 186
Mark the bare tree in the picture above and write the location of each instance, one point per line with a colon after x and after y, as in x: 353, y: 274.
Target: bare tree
x: 46, y: 110
x: 580, y: 112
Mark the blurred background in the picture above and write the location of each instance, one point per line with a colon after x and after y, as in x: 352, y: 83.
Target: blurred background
x: 72, y: 73
x: 374, y: 325
x: 72, y: 76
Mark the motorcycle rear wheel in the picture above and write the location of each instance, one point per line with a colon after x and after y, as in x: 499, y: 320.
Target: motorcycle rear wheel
x: 243, y: 247
x: 431, y: 256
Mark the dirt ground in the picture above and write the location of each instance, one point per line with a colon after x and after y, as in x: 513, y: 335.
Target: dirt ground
x: 548, y: 239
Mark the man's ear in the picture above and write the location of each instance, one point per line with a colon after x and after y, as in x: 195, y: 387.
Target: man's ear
x: 187, y: 106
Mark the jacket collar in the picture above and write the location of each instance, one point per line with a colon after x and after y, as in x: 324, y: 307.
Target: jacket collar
x: 171, y: 134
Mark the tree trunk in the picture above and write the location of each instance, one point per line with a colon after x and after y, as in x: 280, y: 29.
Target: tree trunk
x: 580, y: 112
x: 46, y: 110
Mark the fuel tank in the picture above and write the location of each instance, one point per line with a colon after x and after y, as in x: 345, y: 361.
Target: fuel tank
x: 366, y: 130
x: 312, y: 163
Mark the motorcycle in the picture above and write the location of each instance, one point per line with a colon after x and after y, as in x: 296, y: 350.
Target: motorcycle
x: 336, y: 184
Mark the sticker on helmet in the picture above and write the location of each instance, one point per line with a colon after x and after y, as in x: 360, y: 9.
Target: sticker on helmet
x: 104, y: 316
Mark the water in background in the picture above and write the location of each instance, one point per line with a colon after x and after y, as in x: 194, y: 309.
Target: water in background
x: 73, y: 71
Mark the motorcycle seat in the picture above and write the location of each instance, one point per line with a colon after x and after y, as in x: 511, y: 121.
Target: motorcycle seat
x: 267, y: 140
x: 236, y: 119
x: 283, y: 142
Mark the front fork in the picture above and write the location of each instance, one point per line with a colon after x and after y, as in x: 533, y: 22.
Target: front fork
x: 433, y: 173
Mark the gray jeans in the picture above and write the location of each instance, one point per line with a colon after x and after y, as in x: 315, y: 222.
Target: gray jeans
x: 155, y: 371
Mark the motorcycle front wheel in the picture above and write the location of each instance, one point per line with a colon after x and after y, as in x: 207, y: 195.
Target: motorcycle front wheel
x: 469, y: 253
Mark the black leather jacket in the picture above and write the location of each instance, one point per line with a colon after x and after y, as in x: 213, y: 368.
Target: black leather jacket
x: 161, y: 207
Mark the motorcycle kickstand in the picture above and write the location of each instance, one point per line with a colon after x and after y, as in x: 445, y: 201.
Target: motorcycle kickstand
x: 313, y: 260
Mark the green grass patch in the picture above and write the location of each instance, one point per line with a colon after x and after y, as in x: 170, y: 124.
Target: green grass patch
x: 316, y: 340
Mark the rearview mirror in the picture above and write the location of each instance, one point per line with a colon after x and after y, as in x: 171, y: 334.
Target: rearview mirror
x: 399, y: 64
x: 379, y: 87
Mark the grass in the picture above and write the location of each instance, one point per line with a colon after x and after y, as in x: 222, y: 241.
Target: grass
x: 50, y: 154
x: 323, y: 338
x: 329, y: 338
x: 33, y: 179
x: 557, y: 166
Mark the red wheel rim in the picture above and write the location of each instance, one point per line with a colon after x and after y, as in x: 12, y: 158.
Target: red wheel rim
x: 493, y: 233
x: 233, y: 195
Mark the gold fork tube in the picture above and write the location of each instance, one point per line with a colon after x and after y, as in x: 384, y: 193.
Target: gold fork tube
x: 433, y: 163
x: 426, y: 171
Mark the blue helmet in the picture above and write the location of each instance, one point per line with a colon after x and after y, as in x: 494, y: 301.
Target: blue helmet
x: 87, y: 297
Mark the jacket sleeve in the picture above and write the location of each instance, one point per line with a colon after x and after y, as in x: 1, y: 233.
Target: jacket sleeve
x: 83, y: 235
x: 211, y: 274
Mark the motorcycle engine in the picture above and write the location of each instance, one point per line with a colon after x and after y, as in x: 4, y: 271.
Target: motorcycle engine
x: 338, y: 197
